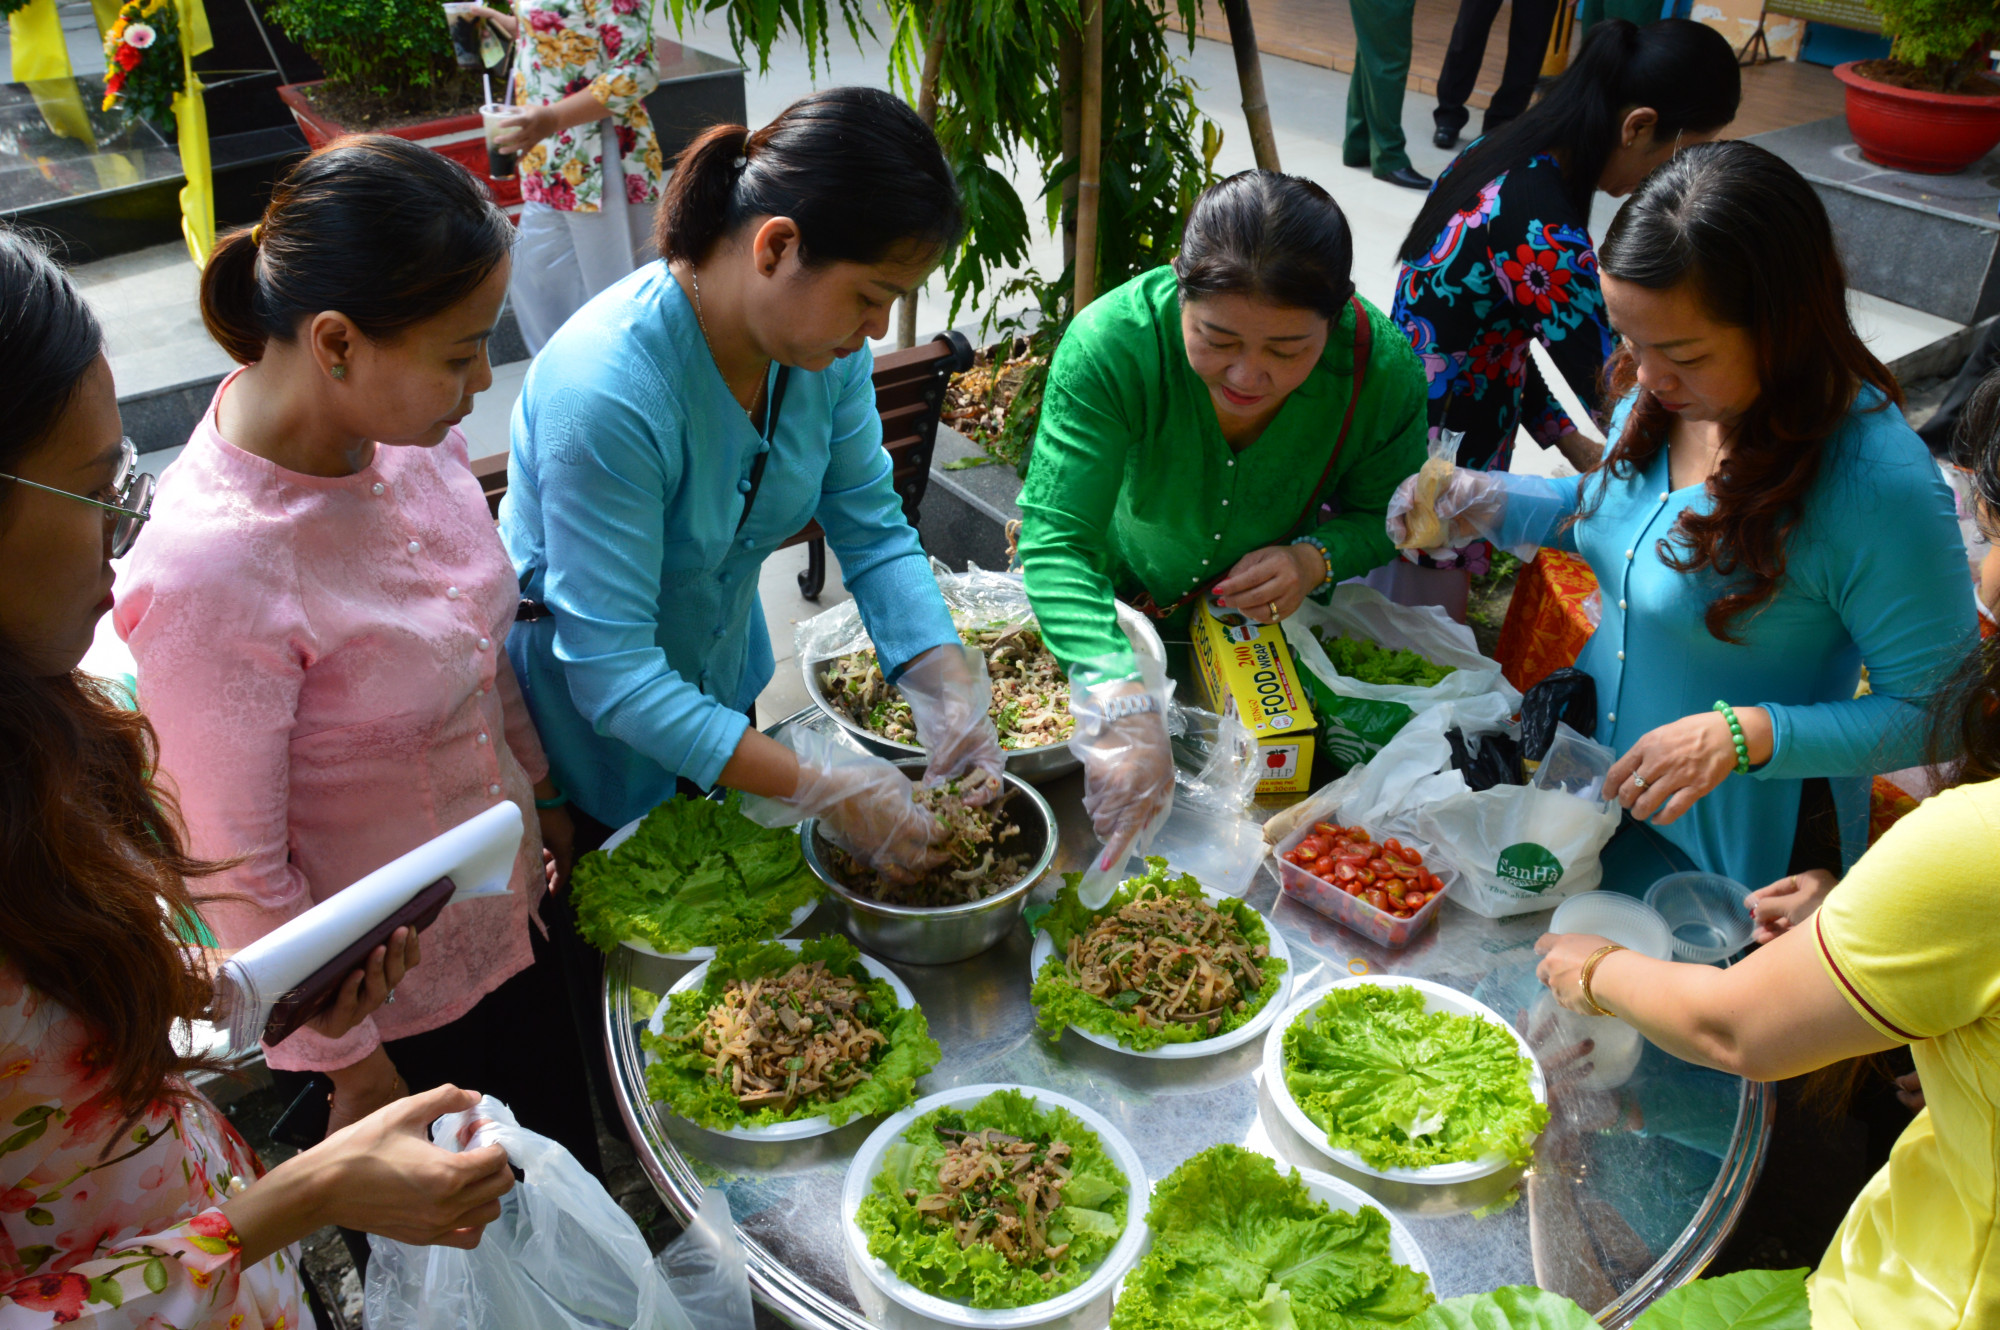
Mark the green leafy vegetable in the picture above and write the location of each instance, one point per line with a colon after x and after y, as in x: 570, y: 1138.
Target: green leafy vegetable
x: 681, y: 1076
x: 1369, y: 662
x: 1746, y: 1300
x: 1060, y: 1001
x: 1407, y: 1088
x: 695, y: 874
x: 929, y: 1257
x: 1238, y: 1246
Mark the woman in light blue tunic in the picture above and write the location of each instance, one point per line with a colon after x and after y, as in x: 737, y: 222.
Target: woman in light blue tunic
x: 690, y: 419
x: 1764, y: 525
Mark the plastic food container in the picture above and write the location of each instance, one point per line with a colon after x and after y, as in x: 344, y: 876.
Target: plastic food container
x: 886, y: 1300
x: 1626, y: 920
x: 1045, y: 947
x: 777, y: 1131
x: 1406, y: 1188
x: 1704, y: 913
x: 1378, y: 926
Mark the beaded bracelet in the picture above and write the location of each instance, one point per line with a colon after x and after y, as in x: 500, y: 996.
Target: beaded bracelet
x: 1736, y: 737
x: 1326, y: 560
x: 562, y: 797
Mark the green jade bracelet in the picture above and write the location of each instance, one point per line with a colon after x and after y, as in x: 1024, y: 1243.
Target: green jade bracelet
x: 1736, y: 737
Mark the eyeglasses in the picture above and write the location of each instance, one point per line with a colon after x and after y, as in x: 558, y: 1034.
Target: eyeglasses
x: 132, y: 494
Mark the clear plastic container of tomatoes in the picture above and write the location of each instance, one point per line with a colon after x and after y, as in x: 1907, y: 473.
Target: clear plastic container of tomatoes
x: 1327, y: 886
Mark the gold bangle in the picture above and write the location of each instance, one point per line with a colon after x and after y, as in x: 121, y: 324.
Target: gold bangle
x: 1590, y: 972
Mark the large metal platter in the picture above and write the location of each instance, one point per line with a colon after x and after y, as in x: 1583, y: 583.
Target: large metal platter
x: 1632, y: 1191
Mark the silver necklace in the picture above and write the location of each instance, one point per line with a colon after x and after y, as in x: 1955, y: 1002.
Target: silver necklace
x: 694, y: 280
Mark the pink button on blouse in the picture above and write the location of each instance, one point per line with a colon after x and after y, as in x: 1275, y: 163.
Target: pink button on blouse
x: 322, y: 658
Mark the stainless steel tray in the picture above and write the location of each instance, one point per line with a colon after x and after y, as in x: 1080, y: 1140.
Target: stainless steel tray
x: 1632, y: 1190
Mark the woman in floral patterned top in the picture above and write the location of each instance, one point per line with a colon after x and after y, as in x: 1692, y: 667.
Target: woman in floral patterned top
x: 126, y: 1199
x: 590, y: 164
x: 1500, y: 256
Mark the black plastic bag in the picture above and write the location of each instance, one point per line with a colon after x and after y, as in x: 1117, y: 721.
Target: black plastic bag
x: 1568, y: 696
x: 1495, y: 760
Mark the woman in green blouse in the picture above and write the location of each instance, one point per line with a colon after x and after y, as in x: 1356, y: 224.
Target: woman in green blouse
x: 1232, y: 425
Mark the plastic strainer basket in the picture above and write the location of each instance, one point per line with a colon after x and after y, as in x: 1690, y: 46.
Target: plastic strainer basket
x: 1705, y: 913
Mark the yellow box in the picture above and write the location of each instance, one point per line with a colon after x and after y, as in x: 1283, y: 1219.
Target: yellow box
x: 1246, y: 672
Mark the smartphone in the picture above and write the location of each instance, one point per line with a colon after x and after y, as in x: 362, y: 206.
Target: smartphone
x: 303, y: 1124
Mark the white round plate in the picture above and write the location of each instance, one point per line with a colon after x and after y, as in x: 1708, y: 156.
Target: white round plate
x: 1130, y: 1246
x: 623, y: 834
x: 1436, y: 998
x: 1045, y: 947
x: 778, y: 1131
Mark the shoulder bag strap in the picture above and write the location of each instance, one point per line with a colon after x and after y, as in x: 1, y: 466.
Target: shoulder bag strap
x: 1364, y: 346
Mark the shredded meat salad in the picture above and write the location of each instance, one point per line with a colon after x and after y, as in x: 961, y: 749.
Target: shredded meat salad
x: 1168, y: 960
x: 1000, y: 1190
x: 1030, y: 692
x: 975, y: 831
x: 803, y: 1036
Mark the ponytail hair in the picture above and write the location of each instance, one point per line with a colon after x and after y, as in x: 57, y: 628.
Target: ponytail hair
x: 1685, y: 71
x: 1276, y: 238
x: 386, y: 232
x: 854, y: 168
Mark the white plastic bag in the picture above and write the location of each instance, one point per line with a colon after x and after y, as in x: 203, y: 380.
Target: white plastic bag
x: 562, y: 1255
x: 1363, y: 612
x: 1207, y: 833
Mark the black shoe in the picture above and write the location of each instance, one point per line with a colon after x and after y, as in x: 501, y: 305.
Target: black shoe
x: 1445, y: 138
x: 1406, y: 176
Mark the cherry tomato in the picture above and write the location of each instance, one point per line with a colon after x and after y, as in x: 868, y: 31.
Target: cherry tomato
x: 1323, y: 867
x: 1312, y: 847
x: 1404, y: 871
x: 1393, y: 846
x: 1411, y: 856
x: 1366, y: 876
x: 1416, y: 900
x: 1345, y: 871
x: 1376, y: 899
x: 1351, y: 888
x: 1328, y: 829
x: 1381, y: 867
x: 1433, y: 883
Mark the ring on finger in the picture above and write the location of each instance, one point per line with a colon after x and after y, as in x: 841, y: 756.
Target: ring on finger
x: 1638, y: 782
x: 1274, y: 611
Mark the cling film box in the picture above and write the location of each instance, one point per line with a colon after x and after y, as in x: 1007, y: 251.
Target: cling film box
x: 1247, y: 672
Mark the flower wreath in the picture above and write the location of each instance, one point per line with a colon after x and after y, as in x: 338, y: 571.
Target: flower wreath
x: 142, y: 59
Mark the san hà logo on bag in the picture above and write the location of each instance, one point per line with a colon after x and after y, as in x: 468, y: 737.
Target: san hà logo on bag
x: 1529, y: 866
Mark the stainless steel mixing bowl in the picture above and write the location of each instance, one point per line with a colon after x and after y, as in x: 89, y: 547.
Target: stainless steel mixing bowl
x: 953, y: 932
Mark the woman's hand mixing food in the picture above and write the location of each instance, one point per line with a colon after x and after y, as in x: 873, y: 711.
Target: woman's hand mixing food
x: 1128, y: 763
x: 1670, y: 768
x: 1787, y: 903
x: 950, y: 696
x: 1271, y: 583
x: 864, y: 804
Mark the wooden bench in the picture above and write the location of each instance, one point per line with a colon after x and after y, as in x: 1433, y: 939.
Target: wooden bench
x: 909, y: 396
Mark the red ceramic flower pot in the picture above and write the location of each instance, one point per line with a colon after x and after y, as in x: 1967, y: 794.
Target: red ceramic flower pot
x: 1935, y: 133
x: 460, y: 137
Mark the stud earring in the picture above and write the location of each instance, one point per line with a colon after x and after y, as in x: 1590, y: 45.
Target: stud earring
x: 340, y: 372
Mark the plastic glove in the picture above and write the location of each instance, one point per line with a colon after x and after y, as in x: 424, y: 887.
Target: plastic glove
x: 864, y: 804
x: 949, y: 693
x: 1468, y: 506
x: 1128, y: 766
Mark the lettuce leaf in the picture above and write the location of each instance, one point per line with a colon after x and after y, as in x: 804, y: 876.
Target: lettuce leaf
x: 1239, y: 1246
x: 978, y: 1275
x: 1407, y: 1088
x: 1059, y: 1002
x: 1515, y: 1307
x: 695, y: 874
x: 1746, y: 1300
x: 679, y: 1077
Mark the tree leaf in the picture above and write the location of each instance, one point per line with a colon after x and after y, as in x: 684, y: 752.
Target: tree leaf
x: 1746, y: 1300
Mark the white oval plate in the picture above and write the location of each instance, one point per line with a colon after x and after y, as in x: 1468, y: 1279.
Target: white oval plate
x: 1045, y: 947
x: 1436, y: 998
x: 623, y: 834
x: 1130, y: 1246
x: 777, y: 1131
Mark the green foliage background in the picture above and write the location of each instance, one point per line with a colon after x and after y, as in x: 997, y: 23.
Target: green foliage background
x: 1946, y: 39
x: 391, y: 48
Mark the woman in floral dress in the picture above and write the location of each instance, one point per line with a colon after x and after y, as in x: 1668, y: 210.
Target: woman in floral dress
x: 126, y: 1198
x: 590, y: 164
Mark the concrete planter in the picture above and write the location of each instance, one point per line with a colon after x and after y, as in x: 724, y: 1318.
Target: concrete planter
x: 1935, y: 133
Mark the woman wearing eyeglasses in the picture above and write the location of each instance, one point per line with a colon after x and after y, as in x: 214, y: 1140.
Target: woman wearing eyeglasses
x: 318, y: 610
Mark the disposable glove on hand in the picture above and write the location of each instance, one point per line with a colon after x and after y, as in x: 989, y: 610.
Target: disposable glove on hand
x: 864, y: 804
x: 1469, y: 506
x: 949, y: 694
x: 1128, y: 764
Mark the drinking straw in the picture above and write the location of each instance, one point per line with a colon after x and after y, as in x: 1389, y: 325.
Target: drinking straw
x: 486, y: 80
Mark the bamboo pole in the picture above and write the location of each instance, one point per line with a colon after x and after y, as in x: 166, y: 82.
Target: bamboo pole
x: 1250, y: 80
x: 1090, y: 159
x: 927, y: 108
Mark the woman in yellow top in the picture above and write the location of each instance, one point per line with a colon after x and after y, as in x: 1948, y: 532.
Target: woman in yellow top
x: 1905, y: 951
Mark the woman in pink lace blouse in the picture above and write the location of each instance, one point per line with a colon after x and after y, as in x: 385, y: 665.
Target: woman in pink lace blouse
x: 127, y: 1199
x: 318, y: 609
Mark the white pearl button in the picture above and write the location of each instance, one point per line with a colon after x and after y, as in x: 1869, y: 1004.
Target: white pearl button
x: 1613, y: 717
x: 1225, y: 503
x: 1663, y: 496
x: 377, y: 487
x: 1218, y: 535
x: 414, y: 547
x: 486, y: 642
x: 451, y: 593
x: 1621, y: 605
x: 495, y: 789
x: 1230, y: 462
x: 1628, y: 554
x: 1204, y: 563
x: 482, y: 738
x: 1621, y: 655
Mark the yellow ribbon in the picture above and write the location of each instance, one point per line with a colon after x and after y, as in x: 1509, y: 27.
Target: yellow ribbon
x: 191, y: 121
x: 35, y: 31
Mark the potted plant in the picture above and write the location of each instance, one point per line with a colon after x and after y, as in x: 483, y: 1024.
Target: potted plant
x: 1931, y: 105
x: 389, y: 70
